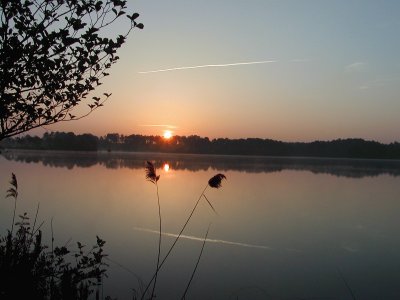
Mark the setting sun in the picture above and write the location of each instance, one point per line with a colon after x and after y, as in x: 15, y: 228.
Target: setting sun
x: 167, y: 134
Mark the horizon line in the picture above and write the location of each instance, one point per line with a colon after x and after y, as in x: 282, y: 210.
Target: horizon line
x: 215, y: 138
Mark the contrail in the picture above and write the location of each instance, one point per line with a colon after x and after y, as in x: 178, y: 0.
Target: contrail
x: 211, y: 66
x: 195, y: 238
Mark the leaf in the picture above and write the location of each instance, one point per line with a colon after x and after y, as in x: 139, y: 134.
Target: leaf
x: 134, y: 16
x: 98, y: 5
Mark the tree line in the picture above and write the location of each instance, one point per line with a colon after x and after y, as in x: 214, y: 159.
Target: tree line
x: 341, y: 148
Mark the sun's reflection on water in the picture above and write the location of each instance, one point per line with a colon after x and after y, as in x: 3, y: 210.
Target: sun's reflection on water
x: 166, y: 167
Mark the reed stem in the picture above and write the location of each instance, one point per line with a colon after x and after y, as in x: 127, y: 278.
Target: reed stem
x: 159, y: 245
x: 174, y: 243
x: 197, y: 263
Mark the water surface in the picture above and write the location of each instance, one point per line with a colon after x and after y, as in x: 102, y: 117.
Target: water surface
x: 286, y: 228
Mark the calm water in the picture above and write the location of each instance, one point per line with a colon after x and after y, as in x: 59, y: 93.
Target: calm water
x: 285, y: 229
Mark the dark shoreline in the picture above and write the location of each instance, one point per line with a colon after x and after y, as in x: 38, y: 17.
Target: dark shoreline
x: 340, y: 148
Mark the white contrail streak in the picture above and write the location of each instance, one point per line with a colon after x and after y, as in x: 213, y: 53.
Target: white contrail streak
x: 210, y: 66
x: 195, y: 238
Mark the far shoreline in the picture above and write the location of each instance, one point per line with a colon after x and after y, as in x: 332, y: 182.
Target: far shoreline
x: 351, y: 148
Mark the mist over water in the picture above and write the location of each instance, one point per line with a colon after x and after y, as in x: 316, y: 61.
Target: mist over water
x: 193, y: 162
x: 286, y: 227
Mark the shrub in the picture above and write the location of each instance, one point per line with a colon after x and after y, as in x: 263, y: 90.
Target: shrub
x: 31, y: 270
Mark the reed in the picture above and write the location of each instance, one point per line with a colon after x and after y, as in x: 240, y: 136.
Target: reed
x: 12, y: 192
x: 151, y: 176
x: 213, y: 182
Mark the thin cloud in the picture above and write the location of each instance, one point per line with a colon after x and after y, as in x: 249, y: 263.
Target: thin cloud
x: 159, y: 125
x: 355, y: 67
x: 195, y: 238
x: 299, y: 60
x: 210, y: 66
x: 386, y: 80
x: 380, y: 82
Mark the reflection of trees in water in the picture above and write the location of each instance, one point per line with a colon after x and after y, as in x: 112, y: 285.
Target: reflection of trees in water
x: 355, y: 168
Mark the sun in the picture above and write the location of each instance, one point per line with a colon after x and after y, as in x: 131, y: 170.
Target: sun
x: 167, y: 134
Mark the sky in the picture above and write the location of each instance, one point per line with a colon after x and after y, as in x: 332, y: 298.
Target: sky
x: 291, y: 70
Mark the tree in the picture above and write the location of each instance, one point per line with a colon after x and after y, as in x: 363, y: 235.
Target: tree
x: 52, y: 55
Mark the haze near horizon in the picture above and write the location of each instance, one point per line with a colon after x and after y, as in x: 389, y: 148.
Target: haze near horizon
x: 286, y: 70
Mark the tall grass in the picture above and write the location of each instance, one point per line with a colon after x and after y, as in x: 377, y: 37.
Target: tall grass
x: 12, y: 192
x: 213, y: 182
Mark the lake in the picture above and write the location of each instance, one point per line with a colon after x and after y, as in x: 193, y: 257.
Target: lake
x: 285, y: 228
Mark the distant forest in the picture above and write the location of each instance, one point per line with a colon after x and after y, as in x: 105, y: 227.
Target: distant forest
x: 340, y: 148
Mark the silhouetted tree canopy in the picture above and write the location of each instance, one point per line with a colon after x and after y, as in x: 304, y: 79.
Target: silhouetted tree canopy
x: 194, y: 144
x: 52, y: 54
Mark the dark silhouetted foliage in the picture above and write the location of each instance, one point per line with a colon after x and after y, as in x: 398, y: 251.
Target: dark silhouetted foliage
x: 52, y: 54
x: 55, y: 141
x: 340, y: 148
x: 344, y: 148
x: 31, y: 270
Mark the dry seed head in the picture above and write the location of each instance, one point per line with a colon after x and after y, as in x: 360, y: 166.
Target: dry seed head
x: 13, y: 191
x: 151, y: 173
x: 215, y: 181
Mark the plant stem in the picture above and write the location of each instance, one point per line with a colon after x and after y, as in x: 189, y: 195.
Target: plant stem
x: 52, y: 258
x: 34, y: 224
x: 347, y: 285
x: 159, y: 245
x: 197, y: 263
x: 175, y: 241
x: 15, y: 209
